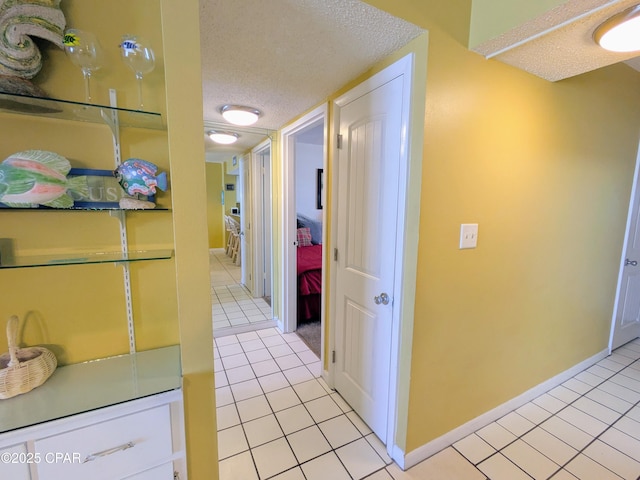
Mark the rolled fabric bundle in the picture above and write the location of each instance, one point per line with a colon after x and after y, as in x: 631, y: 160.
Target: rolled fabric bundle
x: 20, y: 20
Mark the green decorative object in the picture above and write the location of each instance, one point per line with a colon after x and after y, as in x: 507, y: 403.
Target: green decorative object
x: 38, y: 177
x: 19, y: 21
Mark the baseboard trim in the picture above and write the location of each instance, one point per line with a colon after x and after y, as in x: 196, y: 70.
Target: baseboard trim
x: 427, y: 450
x: 226, y: 331
x: 398, y: 456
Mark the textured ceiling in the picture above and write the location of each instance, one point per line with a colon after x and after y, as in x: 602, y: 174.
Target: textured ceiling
x: 286, y: 56
x: 559, y: 44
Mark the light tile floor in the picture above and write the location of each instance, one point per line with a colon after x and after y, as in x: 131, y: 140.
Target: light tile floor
x: 278, y: 420
x: 223, y: 271
x: 233, y: 308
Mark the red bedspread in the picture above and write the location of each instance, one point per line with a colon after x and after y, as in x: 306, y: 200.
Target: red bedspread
x: 309, y: 281
x: 310, y: 269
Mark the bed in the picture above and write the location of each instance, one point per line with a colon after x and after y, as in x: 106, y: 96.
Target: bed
x: 309, y: 236
x: 309, y: 282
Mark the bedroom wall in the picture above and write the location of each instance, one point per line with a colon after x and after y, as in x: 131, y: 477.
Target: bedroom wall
x: 308, y: 161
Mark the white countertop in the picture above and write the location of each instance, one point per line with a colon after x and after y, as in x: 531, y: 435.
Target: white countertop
x: 82, y: 387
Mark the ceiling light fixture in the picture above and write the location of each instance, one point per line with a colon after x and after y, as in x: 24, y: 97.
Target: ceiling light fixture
x: 239, y: 115
x: 224, y: 138
x: 620, y: 33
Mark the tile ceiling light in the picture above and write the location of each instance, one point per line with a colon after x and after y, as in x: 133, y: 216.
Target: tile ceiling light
x: 224, y: 138
x: 239, y: 115
x: 620, y: 33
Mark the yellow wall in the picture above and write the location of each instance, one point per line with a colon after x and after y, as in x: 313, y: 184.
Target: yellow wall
x: 546, y: 170
x: 491, y: 18
x: 184, y: 117
x: 215, y: 210
x: 80, y: 310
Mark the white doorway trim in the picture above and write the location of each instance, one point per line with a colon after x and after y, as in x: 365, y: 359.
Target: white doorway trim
x: 631, y: 224
x: 407, y: 241
x: 261, y: 254
x: 287, y: 322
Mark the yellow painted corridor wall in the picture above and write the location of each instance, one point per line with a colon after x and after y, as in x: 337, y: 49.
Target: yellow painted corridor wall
x: 215, y: 211
x: 545, y: 169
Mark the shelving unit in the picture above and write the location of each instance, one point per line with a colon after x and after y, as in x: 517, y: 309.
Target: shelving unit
x: 78, y: 111
x: 80, y: 308
x: 115, y: 118
x: 100, y: 395
x: 86, y: 258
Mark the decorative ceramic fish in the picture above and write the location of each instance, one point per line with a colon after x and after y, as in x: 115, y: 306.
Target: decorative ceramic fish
x: 138, y: 176
x: 38, y: 177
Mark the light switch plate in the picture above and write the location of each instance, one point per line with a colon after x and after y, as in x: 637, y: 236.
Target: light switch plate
x: 468, y: 235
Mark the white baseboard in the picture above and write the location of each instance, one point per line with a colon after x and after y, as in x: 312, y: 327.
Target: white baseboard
x: 427, y: 450
x: 225, y: 331
x: 398, y: 456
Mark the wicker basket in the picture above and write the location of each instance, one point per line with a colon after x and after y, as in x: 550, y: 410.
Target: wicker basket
x: 23, y: 369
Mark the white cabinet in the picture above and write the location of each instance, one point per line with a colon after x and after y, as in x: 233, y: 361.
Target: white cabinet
x: 110, y: 449
x: 13, y: 463
x: 140, y: 439
x: 163, y: 472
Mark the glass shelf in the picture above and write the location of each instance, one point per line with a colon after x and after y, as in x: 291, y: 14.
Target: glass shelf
x: 85, y: 258
x: 78, y: 111
x: 84, y: 387
x: 43, y: 208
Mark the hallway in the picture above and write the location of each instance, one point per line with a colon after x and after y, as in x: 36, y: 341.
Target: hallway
x: 278, y: 420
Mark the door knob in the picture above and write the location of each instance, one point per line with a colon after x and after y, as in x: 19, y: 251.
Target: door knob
x: 633, y: 263
x: 383, y: 299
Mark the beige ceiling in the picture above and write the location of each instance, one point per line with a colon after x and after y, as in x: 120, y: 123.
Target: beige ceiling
x: 559, y: 44
x: 286, y: 56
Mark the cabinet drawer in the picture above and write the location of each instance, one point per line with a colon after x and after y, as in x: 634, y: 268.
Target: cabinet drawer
x: 14, y: 462
x: 162, y: 472
x: 110, y: 449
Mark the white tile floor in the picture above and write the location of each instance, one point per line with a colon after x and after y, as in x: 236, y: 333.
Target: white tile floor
x: 278, y: 420
x: 223, y: 270
x: 233, y: 307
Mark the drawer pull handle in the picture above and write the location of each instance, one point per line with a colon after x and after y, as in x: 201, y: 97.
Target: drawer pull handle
x: 110, y: 451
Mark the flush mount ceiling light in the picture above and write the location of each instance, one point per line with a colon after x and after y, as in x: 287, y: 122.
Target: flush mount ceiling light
x: 224, y: 138
x: 239, y: 115
x: 620, y: 33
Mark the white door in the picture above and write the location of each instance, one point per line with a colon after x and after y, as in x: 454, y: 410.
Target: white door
x: 368, y: 174
x: 266, y: 231
x: 261, y: 224
x: 245, y: 223
x: 626, y: 321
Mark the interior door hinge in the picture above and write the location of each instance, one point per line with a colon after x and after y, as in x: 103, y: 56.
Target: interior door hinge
x: 339, y: 141
x: 333, y: 356
x: 335, y: 254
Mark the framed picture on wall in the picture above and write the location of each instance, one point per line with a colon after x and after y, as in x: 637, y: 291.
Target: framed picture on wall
x: 320, y: 186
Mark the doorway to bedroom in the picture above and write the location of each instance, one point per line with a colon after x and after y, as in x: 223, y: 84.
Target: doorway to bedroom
x: 304, y: 159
